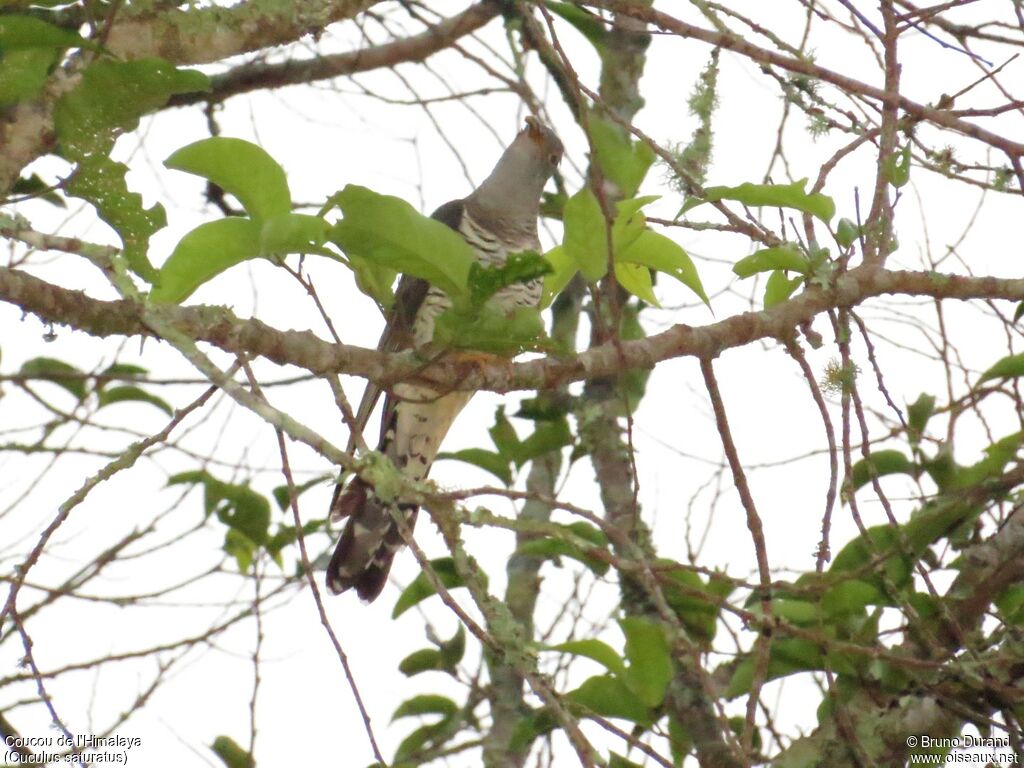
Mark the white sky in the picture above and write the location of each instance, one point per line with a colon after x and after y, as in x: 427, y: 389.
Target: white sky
x: 326, y: 138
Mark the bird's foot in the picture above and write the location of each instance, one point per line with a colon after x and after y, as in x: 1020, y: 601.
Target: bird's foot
x: 470, y: 360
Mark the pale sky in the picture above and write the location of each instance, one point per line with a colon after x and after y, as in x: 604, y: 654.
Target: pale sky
x: 327, y: 137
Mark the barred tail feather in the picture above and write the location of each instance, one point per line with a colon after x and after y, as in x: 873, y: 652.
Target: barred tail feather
x: 413, y: 425
x: 368, y: 543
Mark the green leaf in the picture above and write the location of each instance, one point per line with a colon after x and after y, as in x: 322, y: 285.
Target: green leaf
x: 485, y: 281
x: 738, y: 724
x: 781, y: 257
x: 238, y: 506
x: 119, y: 371
x: 454, y: 649
x: 802, y: 753
x: 101, y: 182
x: 531, y: 726
x: 918, y: 414
x: 433, y: 735
x: 548, y: 436
x: 1009, y: 367
x: 288, y: 534
x: 196, y: 477
x: 663, y: 254
x: 940, y: 468
x: 786, y: 657
x: 630, y: 222
x: 232, y: 755
x: 60, y: 373
x: 204, y: 253
x: 873, y: 545
x: 23, y: 72
x: 490, y: 330
x: 997, y: 456
x: 423, y: 660
x: 132, y: 394
x: 618, y: 761
x: 622, y: 160
x: 609, y: 697
x: 503, y: 435
x: 246, y: 512
x: 799, y: 612
x: 110, y: 99
x: 420, y: 588
x: 595, y: 650
x: 489, y: 461
x: 778, y: 288
x: 792, y: 195
x: 33, y: 185
x: 680, y: 740
x: 563, y: 268
x: 554, y: 547
x: 1019, y: 312
x: 1011, y: 605
x: 443, y: 659
x: 375, y: 280
x: 851, y: 596
x: 240, y: 168
x: 542, y: 408
x: 847, y: 233
x: 19, y: 32
x: 29, y: 48
x: 388, y: 231
x: 586, y: 23
x: 650, y: 663
x: 292, y: 233
x: 896, y: 167
x: 588, y: 533
x: 586, y: 235
x: 240, y: 547
x: 697, y: 604
x: 637, y: 280
x: 585, y: 248
x: 426, y: 704
x: 632, y: 384
x: 881, y: 463
x: 281, y: 492
x: 552, y: 204
x: 34, y: 3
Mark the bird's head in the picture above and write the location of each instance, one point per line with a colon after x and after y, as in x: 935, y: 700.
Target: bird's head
x: 539, y: 146
x: 514, y: 188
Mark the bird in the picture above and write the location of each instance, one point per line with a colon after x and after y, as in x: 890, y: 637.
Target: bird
x: 497, y: 219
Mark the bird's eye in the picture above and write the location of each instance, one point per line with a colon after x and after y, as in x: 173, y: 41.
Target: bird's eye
x: 553, y: 158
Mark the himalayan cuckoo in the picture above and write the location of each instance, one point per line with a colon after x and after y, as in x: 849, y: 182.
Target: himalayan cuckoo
x: 497, y: 219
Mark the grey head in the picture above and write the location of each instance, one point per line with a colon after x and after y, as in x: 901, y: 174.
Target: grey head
x: 510, y: 196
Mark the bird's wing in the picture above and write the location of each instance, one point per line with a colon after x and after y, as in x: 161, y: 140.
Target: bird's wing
x: 398, y: 332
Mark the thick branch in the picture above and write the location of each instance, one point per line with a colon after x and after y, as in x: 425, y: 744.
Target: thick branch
x: 220, y: 327
x: 196, y: 36
x: 204, y: 35
x: 263, y: 76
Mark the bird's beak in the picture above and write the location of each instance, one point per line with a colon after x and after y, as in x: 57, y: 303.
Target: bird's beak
x: 534, y: 128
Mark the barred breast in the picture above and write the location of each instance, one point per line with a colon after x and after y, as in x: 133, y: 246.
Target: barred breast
x: 490, y: 249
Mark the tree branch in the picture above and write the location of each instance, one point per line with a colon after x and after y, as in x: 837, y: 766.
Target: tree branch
x: 267, y: 76
x: 204, y: 35
x: 220, y: 327
x: 181, y: 37
x: 737, y: 44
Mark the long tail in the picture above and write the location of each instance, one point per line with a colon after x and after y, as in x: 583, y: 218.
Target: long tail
x: 369, y: 542
x: 414, y: 426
